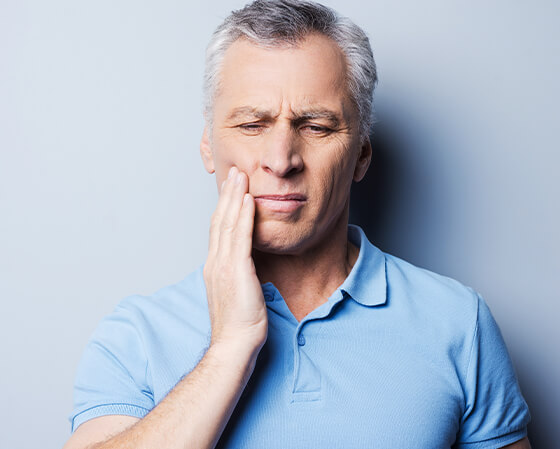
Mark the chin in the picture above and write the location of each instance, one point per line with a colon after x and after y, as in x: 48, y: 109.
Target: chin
x: 280, y: 238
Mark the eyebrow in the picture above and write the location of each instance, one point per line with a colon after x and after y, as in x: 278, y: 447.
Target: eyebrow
x: 249, y: 111
x: 313, y: 114
x: 308, y: 114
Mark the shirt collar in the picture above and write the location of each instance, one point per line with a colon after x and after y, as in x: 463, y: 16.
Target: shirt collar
x: 367, y: 282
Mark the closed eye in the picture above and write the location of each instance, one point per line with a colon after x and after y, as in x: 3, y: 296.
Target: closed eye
x: 255, y: 128
x: 251, y: 128
x: 316, y: 130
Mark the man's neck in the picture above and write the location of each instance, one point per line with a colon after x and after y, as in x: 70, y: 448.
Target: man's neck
x: 307, y: 280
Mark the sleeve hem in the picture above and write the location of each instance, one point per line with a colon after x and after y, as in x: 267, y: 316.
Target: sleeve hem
x: 108, y: 409
x: 494, y: 443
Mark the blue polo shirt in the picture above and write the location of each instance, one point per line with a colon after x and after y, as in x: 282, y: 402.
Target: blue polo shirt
x: 397, y: 358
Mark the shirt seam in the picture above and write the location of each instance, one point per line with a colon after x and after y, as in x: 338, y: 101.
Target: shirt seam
x: 108, y: 404
x: 471, y: 351
x: 147, y: 370
x: 508, y: 431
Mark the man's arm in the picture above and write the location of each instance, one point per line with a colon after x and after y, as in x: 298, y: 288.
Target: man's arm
x: 521, y: 444
x: 192, y: 415
x: 195, y: 413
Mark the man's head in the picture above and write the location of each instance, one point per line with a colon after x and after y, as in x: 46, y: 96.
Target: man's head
x: 285, y: 23
x: 288, y: 102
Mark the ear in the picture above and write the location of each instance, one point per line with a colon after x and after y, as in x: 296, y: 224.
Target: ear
x: 364, y: 159
x: 206, y: 152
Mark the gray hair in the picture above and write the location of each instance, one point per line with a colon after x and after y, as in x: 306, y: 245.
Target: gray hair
x: 276, y: 23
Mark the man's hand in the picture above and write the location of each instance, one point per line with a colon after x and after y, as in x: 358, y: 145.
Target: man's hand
x: 235, y: 299
x: 196, y: 411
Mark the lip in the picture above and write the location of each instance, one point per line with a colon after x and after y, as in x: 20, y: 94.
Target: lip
x: 281, y: 203
x: 286, y: 197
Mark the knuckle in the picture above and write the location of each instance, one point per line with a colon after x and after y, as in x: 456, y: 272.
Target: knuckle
x: 224, y: 271
x: 228, y: 227
x: 214, y: 221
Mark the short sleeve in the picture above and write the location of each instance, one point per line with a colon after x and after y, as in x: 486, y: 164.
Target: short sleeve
x: 495, y: 412
x: 112, y: 376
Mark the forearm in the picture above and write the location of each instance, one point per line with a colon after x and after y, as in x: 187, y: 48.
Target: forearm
x: 195, y: 413
x: 522, y: 444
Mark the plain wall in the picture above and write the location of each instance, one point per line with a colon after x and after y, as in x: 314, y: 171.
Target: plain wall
x: 103, y: 195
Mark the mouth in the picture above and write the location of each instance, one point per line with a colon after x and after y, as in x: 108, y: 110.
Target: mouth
x: 281, y: 203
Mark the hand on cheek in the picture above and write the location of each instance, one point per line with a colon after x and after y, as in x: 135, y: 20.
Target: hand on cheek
x: 235, y: 299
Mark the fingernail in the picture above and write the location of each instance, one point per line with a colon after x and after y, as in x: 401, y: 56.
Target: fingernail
x: 231, y: 172
x: 238, y: 178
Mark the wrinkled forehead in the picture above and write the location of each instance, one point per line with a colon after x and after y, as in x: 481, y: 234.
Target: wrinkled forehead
x: 309, y: 73
x: 322, y: 45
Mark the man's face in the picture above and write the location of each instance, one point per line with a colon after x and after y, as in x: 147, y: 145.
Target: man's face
x: 284, y: 117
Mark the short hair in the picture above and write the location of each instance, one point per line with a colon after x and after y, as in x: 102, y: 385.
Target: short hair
x: 278, y: 23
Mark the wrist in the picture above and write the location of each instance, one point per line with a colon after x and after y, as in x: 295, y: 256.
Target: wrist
x: 238, y: 355
x: 240, y: 342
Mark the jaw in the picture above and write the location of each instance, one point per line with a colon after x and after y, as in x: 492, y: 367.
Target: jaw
x: 280, y: 237
x: 299, y: 236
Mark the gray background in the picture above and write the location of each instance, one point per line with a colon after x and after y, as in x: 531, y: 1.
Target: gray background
x: 103, y: 195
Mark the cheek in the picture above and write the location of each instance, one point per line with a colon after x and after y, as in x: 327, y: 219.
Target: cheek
x: 337, y: 171
x: 336, y: 179
x: 227, y: 157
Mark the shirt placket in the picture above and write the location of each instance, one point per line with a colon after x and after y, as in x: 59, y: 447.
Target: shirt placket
x: 306, y: 376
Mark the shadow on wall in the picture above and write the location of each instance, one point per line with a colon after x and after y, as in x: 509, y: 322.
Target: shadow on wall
x: 397, y: 201
x: 372, y: 199
x: 403, y: 205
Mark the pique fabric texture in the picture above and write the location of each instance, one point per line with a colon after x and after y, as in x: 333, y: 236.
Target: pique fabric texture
x: 397, y: 358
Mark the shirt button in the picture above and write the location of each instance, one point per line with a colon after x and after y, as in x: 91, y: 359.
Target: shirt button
x: 301, y: 340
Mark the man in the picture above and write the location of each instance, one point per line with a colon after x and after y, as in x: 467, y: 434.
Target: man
x: 316, y: 337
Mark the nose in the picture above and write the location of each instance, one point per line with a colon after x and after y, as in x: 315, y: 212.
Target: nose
x: 281, y: 153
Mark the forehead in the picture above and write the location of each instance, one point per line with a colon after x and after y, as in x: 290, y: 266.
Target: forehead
x: 311, y: 74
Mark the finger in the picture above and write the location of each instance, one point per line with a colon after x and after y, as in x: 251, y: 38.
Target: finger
x: 245, y: 226
x: 224, y: 193
x: 235, y: 189
x: 221, y: 206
